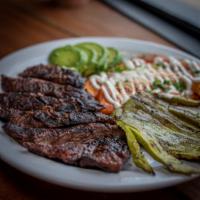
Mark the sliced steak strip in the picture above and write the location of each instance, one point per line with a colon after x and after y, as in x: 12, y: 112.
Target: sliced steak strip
x: 27, y: 101
x: 33, y: 101
x: 83, y: 104
x: 6, y: 113
x: 50, y: 118
x: 93, y: 145
x: 55, y: 74
x: 32, y: 85
x: 58, y: 119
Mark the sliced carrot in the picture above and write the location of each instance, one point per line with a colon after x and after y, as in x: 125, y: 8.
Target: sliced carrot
x: 88, y: 86
x: 98, y: 94
x: 109, y: 108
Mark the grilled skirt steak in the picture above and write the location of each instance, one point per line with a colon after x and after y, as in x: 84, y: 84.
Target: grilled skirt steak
x: 48, y: 117
x: 55, y: 74
x: 35, y: 101
x: 93, y: 145
x: 32, y: 85
x: 48, y: 112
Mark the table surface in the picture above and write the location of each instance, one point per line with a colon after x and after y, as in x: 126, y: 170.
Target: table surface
x: 23, y: 24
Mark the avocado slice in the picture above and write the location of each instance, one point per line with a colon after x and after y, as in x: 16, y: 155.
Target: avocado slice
x: 90, y: 66
x: 102, y: 53
x: 91, y: 53
x: 68, y: 56
x: 114, y: 56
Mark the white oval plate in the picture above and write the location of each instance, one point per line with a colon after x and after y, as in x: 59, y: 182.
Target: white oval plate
x: 129, y: 179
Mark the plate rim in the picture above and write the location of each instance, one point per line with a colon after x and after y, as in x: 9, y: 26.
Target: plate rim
x: 177, y: 50
x: 78, y: 185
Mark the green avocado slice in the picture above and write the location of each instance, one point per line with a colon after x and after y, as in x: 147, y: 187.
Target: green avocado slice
x: 102, y: 53
x: 114, y: 56
x: 68, y: 56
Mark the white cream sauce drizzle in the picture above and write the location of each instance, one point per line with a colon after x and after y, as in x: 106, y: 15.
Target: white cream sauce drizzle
x: 118, y: 87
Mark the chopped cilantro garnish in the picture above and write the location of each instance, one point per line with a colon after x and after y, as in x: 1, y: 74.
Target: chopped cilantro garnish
x: 159, y: 65
x: 119, y: 68
x: 158, y: 84
x: 167, y: 82
x: 180, y: 86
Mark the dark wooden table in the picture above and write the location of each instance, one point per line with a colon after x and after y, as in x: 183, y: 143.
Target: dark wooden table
x: 24, y: 23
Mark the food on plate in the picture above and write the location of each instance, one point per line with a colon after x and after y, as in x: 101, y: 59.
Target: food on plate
x: 196, y: 89
x: 10, y: 84
x: 33, y: 85
x: 87, y: 58
x: 49, y: 117
x: 55, y: 74
x: 162, y: 134
x: 69, y: 56
x: 93, y: 107
x: 56, y: 120
x: 134, y: 147
x: 151, y: 73
x: 179, y: 100
x: 95, y: 145
x: 29, y: 101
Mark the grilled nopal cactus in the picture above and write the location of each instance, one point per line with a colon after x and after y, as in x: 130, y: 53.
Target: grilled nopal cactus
x: 164, y: 135
x: 137, y: 155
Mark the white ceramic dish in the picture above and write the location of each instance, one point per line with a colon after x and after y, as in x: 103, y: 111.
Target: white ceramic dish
x: 131, y: 178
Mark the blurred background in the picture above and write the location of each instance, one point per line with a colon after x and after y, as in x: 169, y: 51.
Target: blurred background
x: 174, y: 22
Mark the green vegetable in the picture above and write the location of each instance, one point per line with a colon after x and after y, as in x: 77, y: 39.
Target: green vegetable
x: 158, y: 84
x: 114, y: 57
x: 189, y: 116
x: 87, y: 58
x: 90, y: 66
x: 180, y: 86
x: 91, y: 54
x: 158, y: 153
x: 179, y: 100
x: 137, y: 155
x: 167, y: 82
x: 101, y: 52
x: 118, y: 68
x: 158, y: 110
x: 159, y: 65
x: 163, y: 135
x: 68, y: 56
